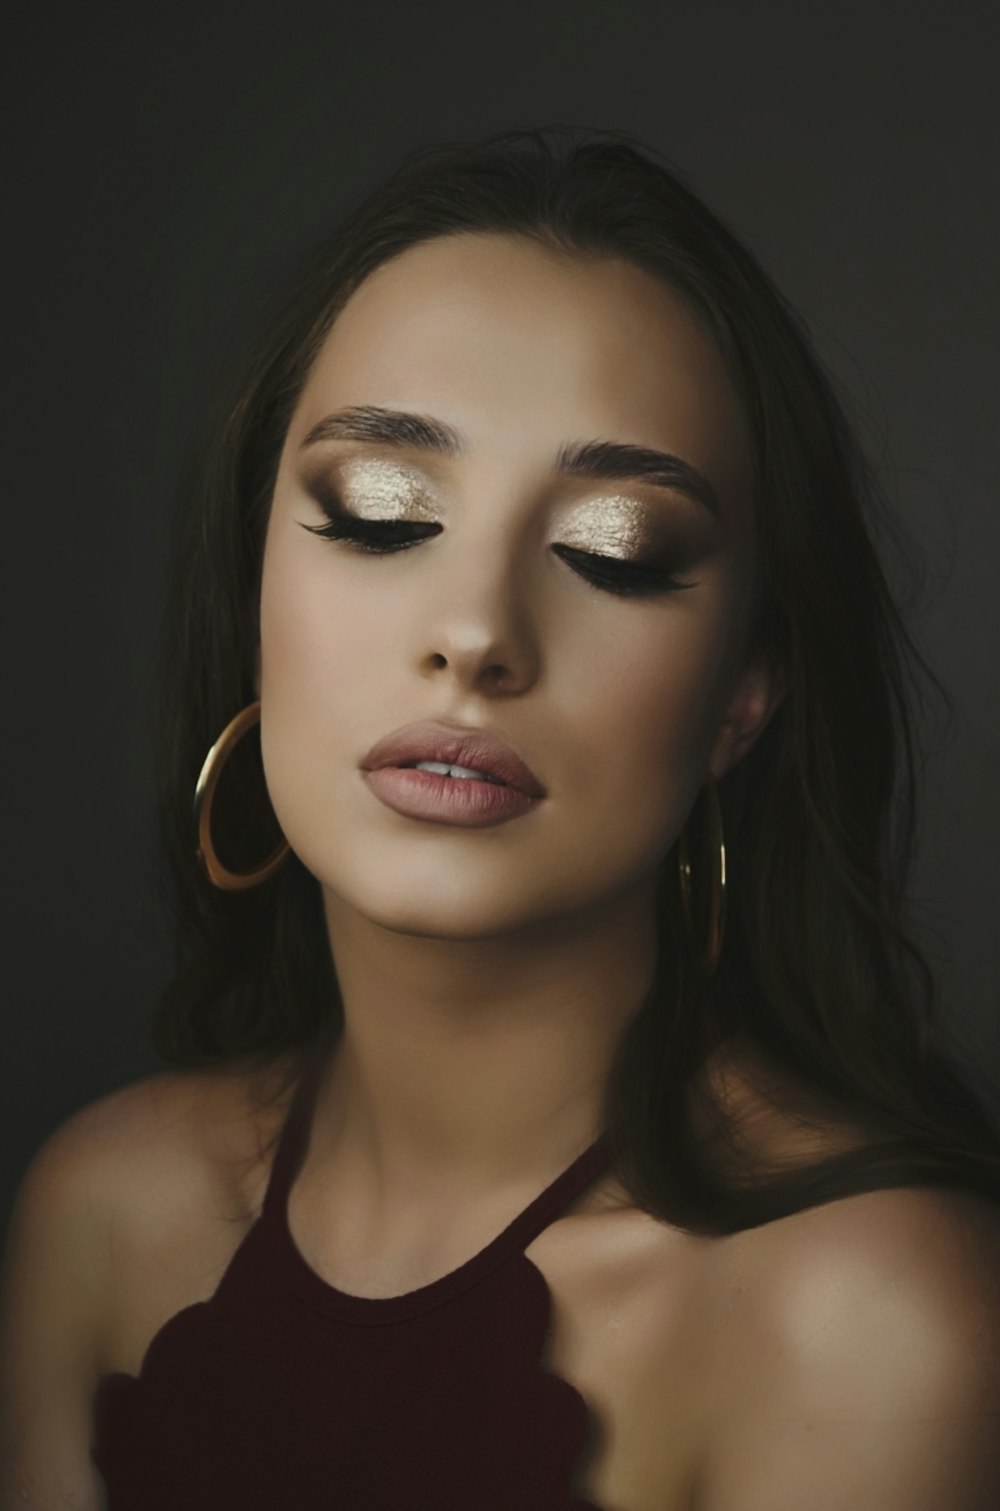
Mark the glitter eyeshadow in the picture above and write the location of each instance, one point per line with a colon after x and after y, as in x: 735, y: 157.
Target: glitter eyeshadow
x: 616, y: 526
x: 385, y: 490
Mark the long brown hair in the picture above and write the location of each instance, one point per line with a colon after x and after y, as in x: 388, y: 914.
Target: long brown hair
x: 821, y: 973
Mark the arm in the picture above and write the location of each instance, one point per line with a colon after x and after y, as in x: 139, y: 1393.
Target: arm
x: 53, y: 1283
x: 873, y: 1377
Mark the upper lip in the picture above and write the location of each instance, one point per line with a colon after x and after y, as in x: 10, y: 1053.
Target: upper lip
x: 479, y: 749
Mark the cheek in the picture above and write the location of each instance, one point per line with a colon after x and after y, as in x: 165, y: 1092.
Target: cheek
x: 324, y: 656
x: 294, y: 620
x: 320, y: 638
x: 642, y: 716
x: 647, y: 697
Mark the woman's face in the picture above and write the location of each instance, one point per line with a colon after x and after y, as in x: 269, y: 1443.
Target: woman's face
x: 620, y: 704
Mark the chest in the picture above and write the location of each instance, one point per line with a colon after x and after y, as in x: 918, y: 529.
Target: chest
x: 629, y: 1328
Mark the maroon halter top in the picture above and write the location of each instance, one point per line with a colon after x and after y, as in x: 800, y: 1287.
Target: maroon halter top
x: 282, y: 1391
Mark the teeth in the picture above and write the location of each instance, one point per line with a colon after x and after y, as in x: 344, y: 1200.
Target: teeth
x: 460, y: 771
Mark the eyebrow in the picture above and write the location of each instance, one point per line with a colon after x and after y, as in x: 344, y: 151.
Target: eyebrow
x: 601, y: 461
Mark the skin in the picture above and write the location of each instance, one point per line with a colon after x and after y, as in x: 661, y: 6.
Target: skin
x: 487, y: 973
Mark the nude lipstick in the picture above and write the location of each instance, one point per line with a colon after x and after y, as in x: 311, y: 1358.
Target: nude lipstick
x: 479, y: 779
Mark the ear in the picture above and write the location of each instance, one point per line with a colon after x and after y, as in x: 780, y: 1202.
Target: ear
x: 759, y: 691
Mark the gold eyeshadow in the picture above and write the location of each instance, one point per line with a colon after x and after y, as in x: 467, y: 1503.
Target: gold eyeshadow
x: 375, y: 489
x: 617, y: 525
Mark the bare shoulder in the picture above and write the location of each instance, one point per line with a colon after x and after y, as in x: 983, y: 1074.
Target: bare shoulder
x: 155, y: 1105
x: 931, y: 1252
x: 866, y: 1369
x: 101, y: 1228
x: 129, y: 1168
x: 85, y: 1167
x: 126, y: 1146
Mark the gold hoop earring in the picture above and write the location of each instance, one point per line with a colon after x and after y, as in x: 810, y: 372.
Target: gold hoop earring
x: 218, y: 874
x: 717, y: 910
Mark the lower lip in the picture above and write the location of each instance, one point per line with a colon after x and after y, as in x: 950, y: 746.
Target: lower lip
x: 447, y: 799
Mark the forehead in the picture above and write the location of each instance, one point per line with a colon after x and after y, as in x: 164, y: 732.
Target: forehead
x: 523, y: 348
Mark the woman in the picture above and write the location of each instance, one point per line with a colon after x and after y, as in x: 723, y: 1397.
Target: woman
x: 564, y: 1123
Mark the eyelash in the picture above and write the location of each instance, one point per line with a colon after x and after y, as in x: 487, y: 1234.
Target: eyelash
x: 378, y: 537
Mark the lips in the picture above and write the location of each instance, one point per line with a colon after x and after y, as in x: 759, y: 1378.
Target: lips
x: 478, y: 749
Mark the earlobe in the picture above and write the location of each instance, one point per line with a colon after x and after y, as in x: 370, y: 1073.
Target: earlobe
x: 759, y: 692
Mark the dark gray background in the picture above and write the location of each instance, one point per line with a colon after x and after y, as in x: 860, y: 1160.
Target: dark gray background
x: 168, y: 163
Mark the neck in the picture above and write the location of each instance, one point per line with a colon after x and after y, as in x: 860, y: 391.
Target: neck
x: 472, y: 1065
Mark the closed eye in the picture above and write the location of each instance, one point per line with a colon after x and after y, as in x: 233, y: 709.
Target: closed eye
x: 378, y: 537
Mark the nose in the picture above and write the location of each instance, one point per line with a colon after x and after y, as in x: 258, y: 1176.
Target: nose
x: 480, y: 626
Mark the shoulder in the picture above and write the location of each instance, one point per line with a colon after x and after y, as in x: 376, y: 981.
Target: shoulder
x: 154, y: 1121
x: 867, y: 1366
x: 929, y: 1256
x: 127, y: 1159
x: 102, y: 1210
x: 81, y: 1171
